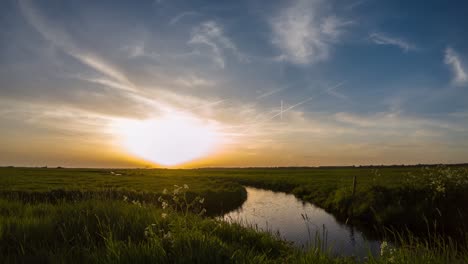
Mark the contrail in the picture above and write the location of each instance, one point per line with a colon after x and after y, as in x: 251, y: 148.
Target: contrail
x: 278, y: 114
x: 336, y: 86
x: 269, y: 93
x: 289, y: 108
x: 282, y: 110
x: 298, y: 104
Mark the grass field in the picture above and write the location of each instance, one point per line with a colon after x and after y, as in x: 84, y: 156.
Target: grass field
x: 103, y: 215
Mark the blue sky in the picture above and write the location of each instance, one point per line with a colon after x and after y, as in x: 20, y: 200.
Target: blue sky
x: 361, y: 82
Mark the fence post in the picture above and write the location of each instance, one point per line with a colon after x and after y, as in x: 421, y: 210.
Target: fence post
x: 352, y: 196
x: 354, y: 185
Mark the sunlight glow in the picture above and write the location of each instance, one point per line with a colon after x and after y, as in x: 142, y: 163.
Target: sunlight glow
x: 169, y: 140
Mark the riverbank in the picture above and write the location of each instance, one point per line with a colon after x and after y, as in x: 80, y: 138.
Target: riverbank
x: 421, y: 199
x: 98, y: 231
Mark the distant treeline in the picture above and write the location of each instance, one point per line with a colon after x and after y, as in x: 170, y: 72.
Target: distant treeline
x: 281, y: 167
x: 344, y: 167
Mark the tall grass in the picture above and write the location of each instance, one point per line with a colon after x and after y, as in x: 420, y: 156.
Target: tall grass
x: 128, y: 231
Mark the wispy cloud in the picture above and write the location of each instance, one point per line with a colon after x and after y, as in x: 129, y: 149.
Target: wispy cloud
x: 139, y: 50
x: 212, y: 35
x: 304, y: 34
x: 62, y: 40
x: 383, y: 39
x: 395, y: 122
x: 460, y: 76
x: 178, y: 17
x: 194, y: 81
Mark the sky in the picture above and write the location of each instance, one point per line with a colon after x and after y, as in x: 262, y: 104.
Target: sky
x: 233, y: 83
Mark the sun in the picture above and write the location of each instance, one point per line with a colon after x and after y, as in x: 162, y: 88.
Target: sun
x: 169, y: 140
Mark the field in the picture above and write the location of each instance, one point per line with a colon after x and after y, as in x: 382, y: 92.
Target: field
x: 105, y: 215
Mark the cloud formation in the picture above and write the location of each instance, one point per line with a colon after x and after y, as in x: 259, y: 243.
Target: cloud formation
x: 383, y: 39
x: 460, y: 76
x: 64, y: 76
x: 180, y: 16
x: 62, y: 40
x: 304, y: 33
x: 211, y: 34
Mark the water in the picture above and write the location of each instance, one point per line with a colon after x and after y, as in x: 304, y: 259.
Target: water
x: 300, y: 222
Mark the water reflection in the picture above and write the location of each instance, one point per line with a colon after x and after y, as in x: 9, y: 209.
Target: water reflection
x: 302, y: 223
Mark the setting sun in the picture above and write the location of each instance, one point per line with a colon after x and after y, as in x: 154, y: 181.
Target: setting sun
x: 170, y: 140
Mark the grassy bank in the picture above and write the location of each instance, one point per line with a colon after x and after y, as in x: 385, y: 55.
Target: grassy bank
x: 421, y: 199
x: 112, y: 231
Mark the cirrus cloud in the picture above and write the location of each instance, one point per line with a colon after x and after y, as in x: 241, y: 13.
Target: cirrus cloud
x: 304, y: 34
x: 452, y: 59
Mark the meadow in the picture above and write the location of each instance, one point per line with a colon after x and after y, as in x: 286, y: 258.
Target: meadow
x: 55, y: 215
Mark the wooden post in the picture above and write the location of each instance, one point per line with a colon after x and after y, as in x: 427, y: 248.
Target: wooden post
x: 352, y: 196
x: 354, y: 185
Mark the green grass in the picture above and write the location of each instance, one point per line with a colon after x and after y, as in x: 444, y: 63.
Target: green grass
x: 384, y: 196
x: 111, y: 231
x: 114, y: 231
x: 39, y: 184
x: 79, y: 215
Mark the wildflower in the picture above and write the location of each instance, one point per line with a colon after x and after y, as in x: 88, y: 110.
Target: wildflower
x: 125, y: 198
x: 201, y: 200
x: 440, y: 189
x: 168, y: 234
x: 164, y: 205
x: 383, y: 248
x: 136, y: 202
x: 164, y: 215
x: 165, y: 191
x: 186, y: 186
x: 160, y: 199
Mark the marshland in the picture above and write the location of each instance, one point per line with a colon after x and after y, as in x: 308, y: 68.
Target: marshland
x: 397, y: 214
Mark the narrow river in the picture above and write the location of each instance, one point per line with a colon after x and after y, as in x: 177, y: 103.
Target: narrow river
x: 300, y: 222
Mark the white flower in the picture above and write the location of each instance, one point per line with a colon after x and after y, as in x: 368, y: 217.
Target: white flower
x: 440, y: 189
x: 163, y: 215
x: 383, y: 248
x: 165, y: 191
x: 202, y: 200
x: 186, y: 186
